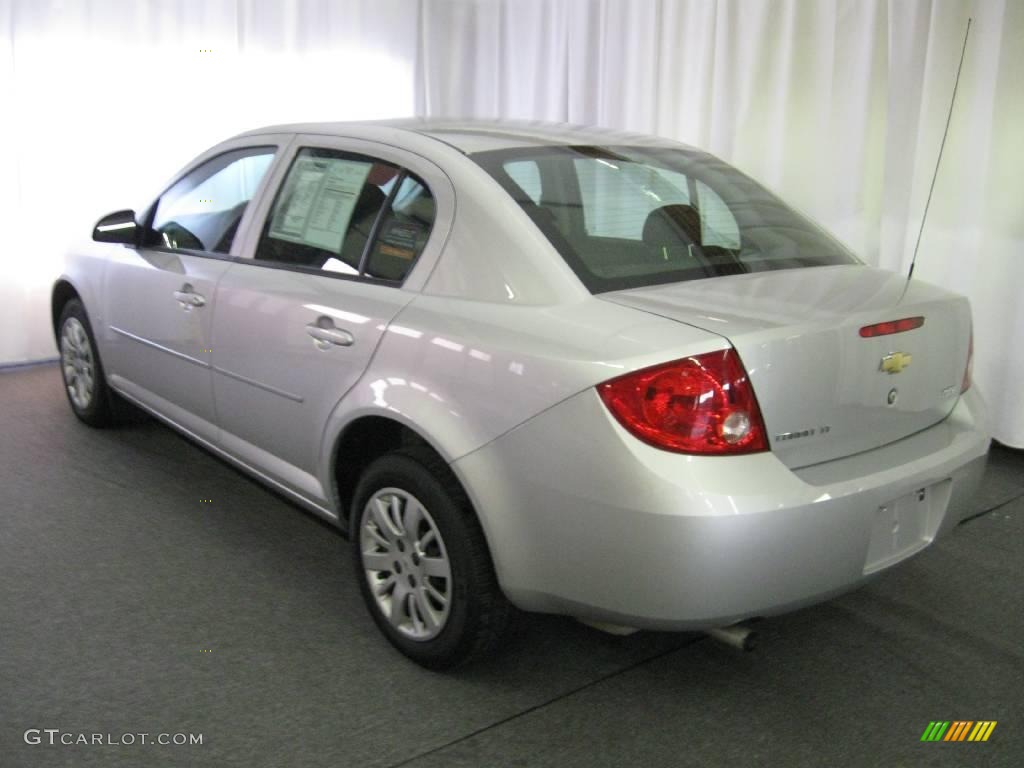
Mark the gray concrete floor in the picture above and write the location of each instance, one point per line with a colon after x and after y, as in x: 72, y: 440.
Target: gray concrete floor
x: 129, y: 606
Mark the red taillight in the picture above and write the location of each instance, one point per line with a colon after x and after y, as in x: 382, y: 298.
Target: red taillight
x: 701, y: 404
x: 891, y: 326
x: 969, y: 370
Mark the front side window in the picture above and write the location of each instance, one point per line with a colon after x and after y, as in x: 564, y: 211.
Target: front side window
x: 202, y: 210
x: 347, y: 214
x: 624, y: 217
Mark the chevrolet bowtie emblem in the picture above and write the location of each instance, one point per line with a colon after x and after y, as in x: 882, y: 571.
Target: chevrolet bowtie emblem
x: 895, y: 362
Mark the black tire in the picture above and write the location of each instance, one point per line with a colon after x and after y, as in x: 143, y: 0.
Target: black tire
x: 478, y: 611
x: 99, y: 411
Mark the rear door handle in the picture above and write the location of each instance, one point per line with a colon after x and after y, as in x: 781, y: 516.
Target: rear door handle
x: 188, y: 298
x: 329, y: 335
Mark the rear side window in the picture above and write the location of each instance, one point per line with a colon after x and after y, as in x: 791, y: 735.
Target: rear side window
x: 629, y: 216
x: 202, y: 210
x: 347, y: 214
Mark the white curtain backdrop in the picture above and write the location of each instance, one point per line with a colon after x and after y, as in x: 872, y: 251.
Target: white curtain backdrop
x: 839, y: 105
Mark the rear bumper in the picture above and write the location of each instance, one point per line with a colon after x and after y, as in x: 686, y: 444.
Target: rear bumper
x: 583, y: 519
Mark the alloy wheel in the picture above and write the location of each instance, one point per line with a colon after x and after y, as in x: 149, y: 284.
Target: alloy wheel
x: 406, y: 564
x: 77, y: 363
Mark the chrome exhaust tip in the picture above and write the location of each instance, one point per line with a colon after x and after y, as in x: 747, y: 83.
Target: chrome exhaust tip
x: 610, y: 629
x: 737, y: 636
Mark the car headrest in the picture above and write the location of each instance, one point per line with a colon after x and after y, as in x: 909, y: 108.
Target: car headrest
x: 369, y: 202
x: 421, y: 209
x: 672, y: 225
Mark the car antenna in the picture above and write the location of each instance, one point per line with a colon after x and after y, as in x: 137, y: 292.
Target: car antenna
x: 942, y: 146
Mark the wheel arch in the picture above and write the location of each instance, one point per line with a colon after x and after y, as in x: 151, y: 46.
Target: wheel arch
x: 63, y: 291
x: 363, y: 439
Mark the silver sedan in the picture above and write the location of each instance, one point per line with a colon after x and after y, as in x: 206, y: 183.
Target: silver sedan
x: 571, y: 371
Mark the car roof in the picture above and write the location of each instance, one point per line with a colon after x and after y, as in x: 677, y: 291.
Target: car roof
x: 469, y: 135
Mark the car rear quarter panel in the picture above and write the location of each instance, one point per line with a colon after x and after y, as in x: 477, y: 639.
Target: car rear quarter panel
x: 461, y: 373
x: 500, y: 330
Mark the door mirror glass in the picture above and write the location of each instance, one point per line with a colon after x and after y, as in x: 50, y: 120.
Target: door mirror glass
x: 117, y: 227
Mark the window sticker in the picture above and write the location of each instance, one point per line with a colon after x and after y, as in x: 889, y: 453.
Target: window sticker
x: 317, y: 202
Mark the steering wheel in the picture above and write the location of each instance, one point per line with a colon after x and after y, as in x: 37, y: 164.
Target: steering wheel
x: 178, y: 237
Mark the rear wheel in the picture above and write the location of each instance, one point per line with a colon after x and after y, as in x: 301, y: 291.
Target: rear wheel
x: 422, y: 562
x: 84, y: 382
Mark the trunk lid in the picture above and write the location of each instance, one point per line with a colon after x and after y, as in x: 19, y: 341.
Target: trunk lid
x: 822, y: 388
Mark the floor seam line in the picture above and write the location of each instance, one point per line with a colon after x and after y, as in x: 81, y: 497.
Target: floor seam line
x: 542, y: 705
x: 991, y: 509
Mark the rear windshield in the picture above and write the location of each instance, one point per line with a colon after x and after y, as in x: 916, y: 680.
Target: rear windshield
x: 624, y: 217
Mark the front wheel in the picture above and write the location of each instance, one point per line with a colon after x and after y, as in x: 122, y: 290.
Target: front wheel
x: 422, y: 562
x: 84, y: 382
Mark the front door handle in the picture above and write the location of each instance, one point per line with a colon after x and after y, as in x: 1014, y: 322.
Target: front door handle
x: 188, y: 298
x: 326, y: 334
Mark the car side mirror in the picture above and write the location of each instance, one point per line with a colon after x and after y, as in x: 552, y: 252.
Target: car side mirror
x: 117, y: 227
